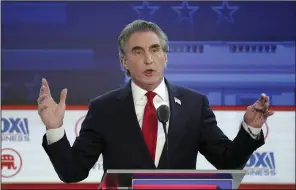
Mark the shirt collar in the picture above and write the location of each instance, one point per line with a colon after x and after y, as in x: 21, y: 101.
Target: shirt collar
x: 139, y: 93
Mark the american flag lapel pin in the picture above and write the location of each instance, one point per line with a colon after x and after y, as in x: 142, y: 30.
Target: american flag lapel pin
x: 177, y: 101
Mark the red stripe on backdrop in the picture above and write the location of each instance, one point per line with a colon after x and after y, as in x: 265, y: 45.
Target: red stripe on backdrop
x: 34, y: 186
x: 85, y: 107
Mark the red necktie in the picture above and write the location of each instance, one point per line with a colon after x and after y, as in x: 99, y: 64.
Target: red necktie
x: 149, y: 126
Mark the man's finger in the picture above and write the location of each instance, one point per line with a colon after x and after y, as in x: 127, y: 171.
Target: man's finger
x: 42, y: 90
x: 269, y: 113
x: 266, y: 105
x: 267, y: 99
x: 262, y: 98
x: 46, y: 86
x: 47, y: 91
x: 63, y: 97
x: 42, y: 98
x: 258, y: 107
x: 261, y: 108
x: 44, y: 82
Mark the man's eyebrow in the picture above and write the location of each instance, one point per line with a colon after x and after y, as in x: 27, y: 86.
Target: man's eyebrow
x: 155, y: 46
x: 136, y: 48
x: 152, y: 46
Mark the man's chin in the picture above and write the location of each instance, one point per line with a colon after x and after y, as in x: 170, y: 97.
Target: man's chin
x: 151, y: 80
x: 149, y: 83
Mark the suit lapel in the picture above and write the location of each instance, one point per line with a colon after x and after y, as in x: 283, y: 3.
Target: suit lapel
x: 176, y: 125
x: 131, y: 125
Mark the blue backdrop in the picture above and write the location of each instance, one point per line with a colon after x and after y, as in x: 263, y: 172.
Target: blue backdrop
x: 231, y: 51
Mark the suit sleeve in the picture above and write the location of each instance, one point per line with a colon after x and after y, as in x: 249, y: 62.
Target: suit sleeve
x: 72, y: 164
x: 218, y: 149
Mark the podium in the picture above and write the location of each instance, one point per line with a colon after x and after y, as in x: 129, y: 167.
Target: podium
x: 172, y: 179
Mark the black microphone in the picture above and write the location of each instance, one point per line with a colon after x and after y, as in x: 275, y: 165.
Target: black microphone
x: 163, y: 115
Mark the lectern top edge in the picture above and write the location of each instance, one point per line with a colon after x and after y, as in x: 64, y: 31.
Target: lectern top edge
x: 228, y: 179
x: 113, y: 171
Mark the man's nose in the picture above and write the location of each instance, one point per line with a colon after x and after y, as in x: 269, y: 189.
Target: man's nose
x: 148, y: 59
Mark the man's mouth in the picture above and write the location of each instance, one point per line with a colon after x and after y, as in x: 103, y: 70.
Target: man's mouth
x: 148, y: 72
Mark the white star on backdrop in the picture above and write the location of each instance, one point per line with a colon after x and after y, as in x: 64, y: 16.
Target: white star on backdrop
x: 185, y: 12
x: 145, y: 11
x: 225, y: 12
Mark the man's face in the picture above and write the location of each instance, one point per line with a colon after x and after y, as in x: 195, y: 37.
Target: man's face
x: 145, y: 59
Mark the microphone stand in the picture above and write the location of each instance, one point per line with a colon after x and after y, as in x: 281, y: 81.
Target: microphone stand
x: 166, y: 144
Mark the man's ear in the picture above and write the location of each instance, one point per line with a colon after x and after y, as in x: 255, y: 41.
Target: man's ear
x: 166, y: 59
x: 124, y: 62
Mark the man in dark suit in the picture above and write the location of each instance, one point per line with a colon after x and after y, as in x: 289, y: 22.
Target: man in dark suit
x: 122, y: 124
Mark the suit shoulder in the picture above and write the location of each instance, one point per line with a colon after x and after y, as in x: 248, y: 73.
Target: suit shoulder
x: 105, y: 98
x: 189, y: 92
x: 194, y: 98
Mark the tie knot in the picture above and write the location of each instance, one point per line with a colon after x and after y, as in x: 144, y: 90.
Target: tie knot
x: 150, y: 95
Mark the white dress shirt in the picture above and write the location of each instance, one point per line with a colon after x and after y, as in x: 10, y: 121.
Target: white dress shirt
x: 140, y: 100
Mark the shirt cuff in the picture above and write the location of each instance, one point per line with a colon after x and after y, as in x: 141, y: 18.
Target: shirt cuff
x: 54, y: 135
x: 254, y: 132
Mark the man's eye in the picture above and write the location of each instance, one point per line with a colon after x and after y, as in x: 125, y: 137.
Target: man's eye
x: 155, y: 49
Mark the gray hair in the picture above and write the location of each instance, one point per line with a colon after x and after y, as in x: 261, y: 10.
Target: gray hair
x: 141, y: 25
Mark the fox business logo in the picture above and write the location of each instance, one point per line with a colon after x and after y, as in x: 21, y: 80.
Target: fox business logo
x: 15, y: 129
x: 261, y: 164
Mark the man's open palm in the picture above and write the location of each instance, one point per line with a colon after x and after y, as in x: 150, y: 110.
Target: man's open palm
x: 51, y: 113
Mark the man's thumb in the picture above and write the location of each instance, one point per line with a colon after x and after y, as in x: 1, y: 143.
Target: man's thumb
x: 63, y: 97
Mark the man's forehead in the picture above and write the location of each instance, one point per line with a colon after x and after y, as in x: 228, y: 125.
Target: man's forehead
x: 143, y: 39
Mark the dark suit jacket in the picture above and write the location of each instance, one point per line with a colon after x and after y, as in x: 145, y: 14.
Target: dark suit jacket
x: 111, y: 128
